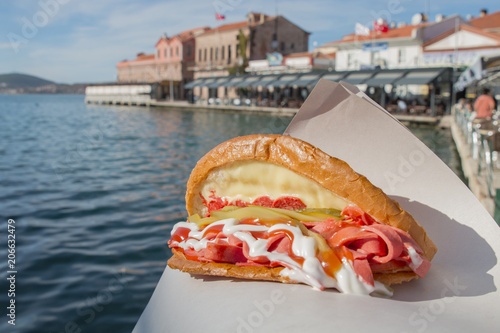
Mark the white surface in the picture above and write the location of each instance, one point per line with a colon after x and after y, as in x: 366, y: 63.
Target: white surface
x: 458, y: 295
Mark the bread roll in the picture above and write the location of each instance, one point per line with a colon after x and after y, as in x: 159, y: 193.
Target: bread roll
x: 314, y: 167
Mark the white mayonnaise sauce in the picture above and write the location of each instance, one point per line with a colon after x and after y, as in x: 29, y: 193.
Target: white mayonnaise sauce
x: 311, y: 272
x: 416, y: 259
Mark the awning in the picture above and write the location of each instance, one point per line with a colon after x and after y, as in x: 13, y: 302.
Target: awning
x: 335, y: 77
x: 247, y: 82
x: 357, y: 78
x: 264, y: 81
x: 195, y: 83
x: 231, y: 80
x: 307, y: 80
x: 217, y: 82
x: 206, y: 82
x: 234, y: 81
x: 285, y: 81
x: 419, y: 77
x: 383, y: 78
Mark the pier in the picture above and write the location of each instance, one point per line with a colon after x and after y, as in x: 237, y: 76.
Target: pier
x: 478, y: 145
x: 184, y: 105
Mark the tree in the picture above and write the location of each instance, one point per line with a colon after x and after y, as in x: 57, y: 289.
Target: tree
x: 242, y: 51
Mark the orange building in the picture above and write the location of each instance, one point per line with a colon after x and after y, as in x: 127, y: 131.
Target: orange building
x: 221, y: 49
x: 168, y: 66
x: 206, y: 52
x: 227, y: 49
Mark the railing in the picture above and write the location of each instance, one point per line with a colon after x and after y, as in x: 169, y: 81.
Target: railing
x: 143, y: 99
x: 483, y: 138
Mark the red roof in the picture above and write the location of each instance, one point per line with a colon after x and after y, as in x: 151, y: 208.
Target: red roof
x: 299, y: 54
x: 229, y: 26
x: 241, y: 24
x: 188, y: 34
x: 402, y: 32
x: 184, y: 35
x: 463, y: 27
x: 489, y: 21
x: 140, y: 57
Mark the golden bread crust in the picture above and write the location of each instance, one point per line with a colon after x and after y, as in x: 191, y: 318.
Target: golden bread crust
x: 301, y: 157
x: 180, y: 262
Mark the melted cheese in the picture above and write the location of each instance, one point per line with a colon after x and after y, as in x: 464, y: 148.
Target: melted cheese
x: 249, y: 180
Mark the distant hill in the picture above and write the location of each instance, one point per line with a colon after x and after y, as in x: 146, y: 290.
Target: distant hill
x: 17, y: 80
x: 17, y: 83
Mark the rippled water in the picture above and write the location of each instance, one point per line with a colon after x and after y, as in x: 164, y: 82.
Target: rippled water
x: 94, y: 192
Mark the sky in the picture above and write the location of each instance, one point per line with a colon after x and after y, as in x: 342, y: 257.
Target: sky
x: 81, y: 41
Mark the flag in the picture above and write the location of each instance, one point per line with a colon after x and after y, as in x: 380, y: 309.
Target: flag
x: 361, y: 30
x: 219, y: 17
x: 380, y: 26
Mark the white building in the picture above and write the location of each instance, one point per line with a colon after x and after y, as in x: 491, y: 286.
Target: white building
x: 399, y: 47
x: 461, y: 46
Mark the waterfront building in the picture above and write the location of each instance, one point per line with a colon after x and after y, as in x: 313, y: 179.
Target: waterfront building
x: 228, y: 48
x: 487, y: 22
x: 167, y: 67
x: 447, y: 42
x: 401, y: 46
x: 475, y: 45
x: 140, y: 69
x: 461, y: 46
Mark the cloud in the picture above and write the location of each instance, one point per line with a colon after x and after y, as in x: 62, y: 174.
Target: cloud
x: 85, y: 39
x: 89, y: 50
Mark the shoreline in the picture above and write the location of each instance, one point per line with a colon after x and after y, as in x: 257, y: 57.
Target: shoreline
x: 404, y: 118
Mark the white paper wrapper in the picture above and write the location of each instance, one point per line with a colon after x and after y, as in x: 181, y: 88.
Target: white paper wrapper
x: 459, y: 294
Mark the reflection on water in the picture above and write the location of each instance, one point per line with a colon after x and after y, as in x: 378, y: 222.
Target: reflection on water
x: 94, y: 192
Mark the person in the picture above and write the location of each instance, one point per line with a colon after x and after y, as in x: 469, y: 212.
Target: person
x: 484, y: 105
x: 460, y: 106
x: 402, y: 106
x: 468, y: 108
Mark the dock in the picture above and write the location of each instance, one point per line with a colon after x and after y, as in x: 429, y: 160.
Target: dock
x: 475, y: 142
x: 285, y: 111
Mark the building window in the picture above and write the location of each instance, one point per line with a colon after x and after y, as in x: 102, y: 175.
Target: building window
x: 199, y: 55
x: 237, y: 50
x: 171, y: 52
x: 216, y: 53
x: 401, y: 56
x: 229, y: 54
x: 292, y: 46
x: 177, y: 51
x: 157, y: 53
x: 282, y: 46
x: 222, y: 52
x: 205, y: 55
x: 211, y: 54
x: 164, y: 52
